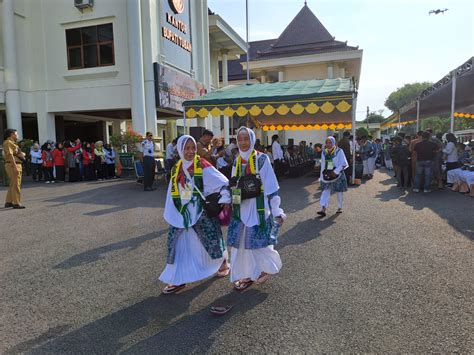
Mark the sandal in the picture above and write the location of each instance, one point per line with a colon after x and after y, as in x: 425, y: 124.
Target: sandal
x: 242, y: 284
x: 170, y: 289
x: 322, y: 213
x: 262, y: 278
x: 220, y: 310
x: 225, y: 272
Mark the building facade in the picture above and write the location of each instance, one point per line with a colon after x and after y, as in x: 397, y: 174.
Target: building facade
x: 92, y: 68
x: 305, y: 50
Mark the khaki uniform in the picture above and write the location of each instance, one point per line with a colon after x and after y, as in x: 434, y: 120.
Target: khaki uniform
x: 14, y: 192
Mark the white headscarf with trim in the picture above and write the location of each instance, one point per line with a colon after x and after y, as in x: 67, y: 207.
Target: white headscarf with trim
x: 180, y: 148
x: 246, y: 155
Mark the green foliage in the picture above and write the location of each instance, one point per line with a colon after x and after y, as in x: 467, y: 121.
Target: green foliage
x: 126, y: 141
x: 443, y: 124
x: 374, y: 118
x: 361, y: 132
x: 405, y: 95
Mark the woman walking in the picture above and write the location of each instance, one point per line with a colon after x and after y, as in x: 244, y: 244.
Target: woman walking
x: 195, y: 243
x: 255, y: 222
x: 332, y: 179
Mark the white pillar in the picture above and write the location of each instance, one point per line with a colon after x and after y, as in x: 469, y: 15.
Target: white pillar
x: 281, y: 75
x: 135, y: 52
x: 12, y: 92
x: 343, y: 72
x: 46, y: 126
x: 330, y: 71
x: 263, y: 77
x: 150, y: 102
x: 353, y: 123
x: 225, y: 71
x: 453, y: 100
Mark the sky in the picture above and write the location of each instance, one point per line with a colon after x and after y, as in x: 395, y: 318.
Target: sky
x: 401, y: 42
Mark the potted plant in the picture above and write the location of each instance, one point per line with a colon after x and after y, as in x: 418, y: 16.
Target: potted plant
x: 127, y: 145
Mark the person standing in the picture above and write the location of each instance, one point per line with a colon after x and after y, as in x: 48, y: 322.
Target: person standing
x: 278, y: 157
x: 148, y: 159
x: 451, y: 155
x: 196, y: 247
x: 73, y: 157
x: 204, y: 149
x: 37, y: 162
x: 13, y: 157
x: 386, y: 155
x: 99, y: 160
x: 170, y: 148
x: 59, y: 162
x: 332, y: 179
x: 110, y: 160
x: 401, y: 162
x: 88, y: 160
x: 425, y: 153
x: 48, y: 164
x: 255, y: 223
x: 345, y: 145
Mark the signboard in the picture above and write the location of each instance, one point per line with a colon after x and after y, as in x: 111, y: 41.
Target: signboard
x: 176, y: 33
x: 172, y: 88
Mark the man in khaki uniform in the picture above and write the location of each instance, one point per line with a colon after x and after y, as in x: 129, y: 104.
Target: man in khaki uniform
x: 13, y: 160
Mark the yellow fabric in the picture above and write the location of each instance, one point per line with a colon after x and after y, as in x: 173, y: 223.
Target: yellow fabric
x: 174, y: 176
x: 14, y: 191
x: 269, y: 109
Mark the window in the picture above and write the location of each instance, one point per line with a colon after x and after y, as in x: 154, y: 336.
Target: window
x: 90, y: 47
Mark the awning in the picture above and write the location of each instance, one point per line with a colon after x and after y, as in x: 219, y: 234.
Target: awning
x: 436, y: 100
x: 304, y: 104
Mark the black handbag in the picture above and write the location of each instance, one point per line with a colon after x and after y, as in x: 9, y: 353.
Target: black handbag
x: 250, y: 185
x: 211, y: 204
x: 329, y: 175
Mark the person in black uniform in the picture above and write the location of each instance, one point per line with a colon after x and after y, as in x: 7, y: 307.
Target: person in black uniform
x: 148, y: 160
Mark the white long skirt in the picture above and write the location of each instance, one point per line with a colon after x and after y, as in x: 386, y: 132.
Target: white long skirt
x: 192, y: 262
x: 250, y: 263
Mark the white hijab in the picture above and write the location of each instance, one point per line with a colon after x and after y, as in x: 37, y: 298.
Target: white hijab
x: 180, y: 148
x: 246, y: 155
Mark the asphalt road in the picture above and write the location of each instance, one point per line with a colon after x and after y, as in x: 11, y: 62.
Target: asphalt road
x: 393, y: 273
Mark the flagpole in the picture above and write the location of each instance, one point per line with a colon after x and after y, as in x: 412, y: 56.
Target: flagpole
x: 247, y: 34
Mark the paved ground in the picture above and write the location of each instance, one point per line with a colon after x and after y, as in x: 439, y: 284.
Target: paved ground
x: 393, y: 273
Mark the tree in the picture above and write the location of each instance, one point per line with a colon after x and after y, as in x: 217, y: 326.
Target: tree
x: 405, y: 95
x: 374, y: 118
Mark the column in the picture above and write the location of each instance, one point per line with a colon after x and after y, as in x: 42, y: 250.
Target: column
x: 343, y: 71
x: 330, y: 71
x: 116, y: 127
x: 225, y: 71
x: 135, y: 53
x: 12, y: 92
x: 263, y: 77
x: 150, y: 103
x: 46, y: 126
x: 225, y: 82
x: 281, y: 75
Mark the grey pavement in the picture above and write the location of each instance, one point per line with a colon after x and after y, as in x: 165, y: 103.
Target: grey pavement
x: 393, y: 273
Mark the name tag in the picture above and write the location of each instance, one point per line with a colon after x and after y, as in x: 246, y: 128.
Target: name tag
x: 236, y: 196
x: 186, y: 194
x: 330, y: 165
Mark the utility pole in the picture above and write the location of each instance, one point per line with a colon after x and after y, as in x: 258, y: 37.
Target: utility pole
x: 367, y: 118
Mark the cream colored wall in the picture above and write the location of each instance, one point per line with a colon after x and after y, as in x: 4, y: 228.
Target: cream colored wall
x: 306, y: 72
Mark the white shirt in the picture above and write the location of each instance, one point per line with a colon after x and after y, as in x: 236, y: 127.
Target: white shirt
x: 277, y: 152
x: 36, y: 157
x: 451, y: 152
x: 147, y: 148
x: 169, y: 151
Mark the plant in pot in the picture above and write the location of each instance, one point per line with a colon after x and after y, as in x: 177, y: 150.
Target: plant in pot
x: 127, y: 144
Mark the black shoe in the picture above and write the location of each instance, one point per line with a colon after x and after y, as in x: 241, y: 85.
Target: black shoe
x: 322, y: 213
x: 8, y: 205
x: 18, y: 207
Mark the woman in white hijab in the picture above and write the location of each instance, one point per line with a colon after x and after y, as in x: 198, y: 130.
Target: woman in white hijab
x: 333, y: 179
x: 195, y: 243
x: 255, y: 221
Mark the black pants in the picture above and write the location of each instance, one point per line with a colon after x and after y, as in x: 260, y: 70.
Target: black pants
x: 60, y: 173
x: 348, y: 173
x: 74, y: 173
x: 148, y: 171
x: 100, y: 168
x: 37, y: 171
x: 48, y: 174
x: 110, y: 171
x: 89, y: 172
x: 280, y: 167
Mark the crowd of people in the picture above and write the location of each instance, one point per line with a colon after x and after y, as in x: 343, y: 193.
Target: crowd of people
x: 422, y: 162
x: 74, y: 161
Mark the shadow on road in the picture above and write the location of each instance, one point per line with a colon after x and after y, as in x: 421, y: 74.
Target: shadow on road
x: 161, y: 321
x: 93, y: 255
x: 120, y: 197
x: 453, y: 207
